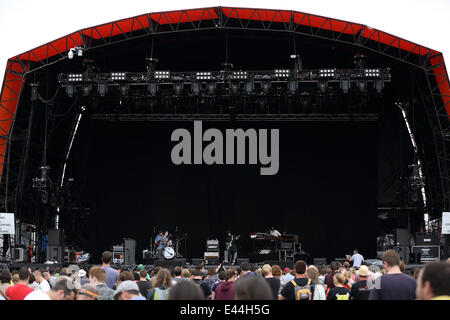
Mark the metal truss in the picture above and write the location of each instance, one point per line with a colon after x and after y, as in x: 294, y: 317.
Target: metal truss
x: 237, y: 117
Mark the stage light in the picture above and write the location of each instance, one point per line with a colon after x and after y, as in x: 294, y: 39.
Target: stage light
x: 239, y: 75
x: 75, y: 77
x: 117, y: 76
x: 327, y: 73
x: 195, y: 87
x: 293, y: 86
x: 178, y: 87
x: 362, y: 85
x: 124, y: 89
x: 70, y: 89
x: 86, y: 89
x: 235, y: 88
x: 379, y: 86
x: 203, y: 75
x: 345, y: 85
x: 70, y: 54
x: 266, y: 86
x: 102, y: 89
x: 162, y: 75
x: 282, y: 73
x: 80, y: 52
x: 212, y: 88
x: 323, y: 86
x: 372, y: 72
x: 249, y: 86
x: 153, y: 88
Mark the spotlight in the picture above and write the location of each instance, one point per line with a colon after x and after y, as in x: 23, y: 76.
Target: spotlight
x: 362, y: 85
x: 266, y: 86
x: 327, y: 73
x: 282, y: 73
x: 293, y: 86
x: 379, y: 86
x: 345, y: 85
x: 75, y: 77
x: 153, y: 88
x: 70, y: 54
x: 178, y: 87
x: 239, y: 75
x: 86, y: 89
x: 117, y: 76
x: 70, y: 89
x: 235, y: 88
x: 359, y: 60
x: 323, y: 86
x: 162, y: 75
x: 372, y: 73
x: 80, y: 52
x: 211, y: 88
x: 124, y: 89
x: 102, y: 89
x: 249, y: 86
x: 203, y: 75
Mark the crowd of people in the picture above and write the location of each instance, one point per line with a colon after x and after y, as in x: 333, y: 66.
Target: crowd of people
x: 246, y: 282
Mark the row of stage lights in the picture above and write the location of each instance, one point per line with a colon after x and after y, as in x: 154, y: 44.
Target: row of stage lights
x: 360, y: 78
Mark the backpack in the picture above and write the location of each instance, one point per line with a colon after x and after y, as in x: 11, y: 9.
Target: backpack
x: 159, y: 294
x: 302, y: 292
x: 342, y: 297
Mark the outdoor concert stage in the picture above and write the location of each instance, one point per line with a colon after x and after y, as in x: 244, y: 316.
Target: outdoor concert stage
x: 89, y: 122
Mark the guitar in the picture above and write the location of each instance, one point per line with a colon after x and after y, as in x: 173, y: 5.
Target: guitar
x: 229, y: 244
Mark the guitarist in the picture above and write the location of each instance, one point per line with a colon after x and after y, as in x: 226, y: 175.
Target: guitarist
x: 231, y: 247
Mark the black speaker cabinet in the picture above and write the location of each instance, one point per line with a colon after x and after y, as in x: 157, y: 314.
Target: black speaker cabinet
x: 170, y: 264
x: 56, y: 237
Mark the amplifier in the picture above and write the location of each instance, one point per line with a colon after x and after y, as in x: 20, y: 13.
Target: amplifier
x: 19, y: 254
x: 118, y: 257
x: 212, y: 245
x: 211, y: 255
x: 286, y: 245
x: 427, y: 253
x: 426, y: 239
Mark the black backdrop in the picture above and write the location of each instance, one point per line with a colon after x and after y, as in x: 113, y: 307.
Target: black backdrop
x: 325, y: 190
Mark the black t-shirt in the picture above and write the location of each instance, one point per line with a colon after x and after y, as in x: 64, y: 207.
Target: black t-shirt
x: 233, y: 244
x: 144, y: 287
x: 275, y: 286
x: 360, y: 291
x: 289, y: 292
x: 337, y: 293
x: 204, y: 286
x: 396, y: 286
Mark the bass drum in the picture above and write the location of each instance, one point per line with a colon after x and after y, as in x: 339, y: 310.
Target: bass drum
x: 169, y: 253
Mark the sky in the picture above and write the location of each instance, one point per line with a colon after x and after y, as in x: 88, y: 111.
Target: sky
x: 26, y: 24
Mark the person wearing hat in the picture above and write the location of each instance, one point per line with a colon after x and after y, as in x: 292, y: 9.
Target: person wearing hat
x: 359, y: 290
x: 87, y: 292
x: 128, y: 290
x: 286, y: 277
x: 82, y: 277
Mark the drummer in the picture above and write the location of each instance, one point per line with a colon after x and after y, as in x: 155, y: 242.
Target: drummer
x: 160, y: 243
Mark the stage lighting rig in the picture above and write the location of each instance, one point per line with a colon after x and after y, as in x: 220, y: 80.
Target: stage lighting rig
x: 203, y: 75
x: 162, y: 75
x: 282, y: 73
x: 327, y: 73
x: 372, y: 73
x: 239, y: 75
x: 118, y: 76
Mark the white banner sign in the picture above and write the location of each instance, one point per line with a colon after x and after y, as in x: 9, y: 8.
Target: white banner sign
x: 7, y: 225
x: 445, y: 222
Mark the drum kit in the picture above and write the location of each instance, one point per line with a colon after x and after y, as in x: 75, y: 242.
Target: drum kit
x: 172, y: 246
